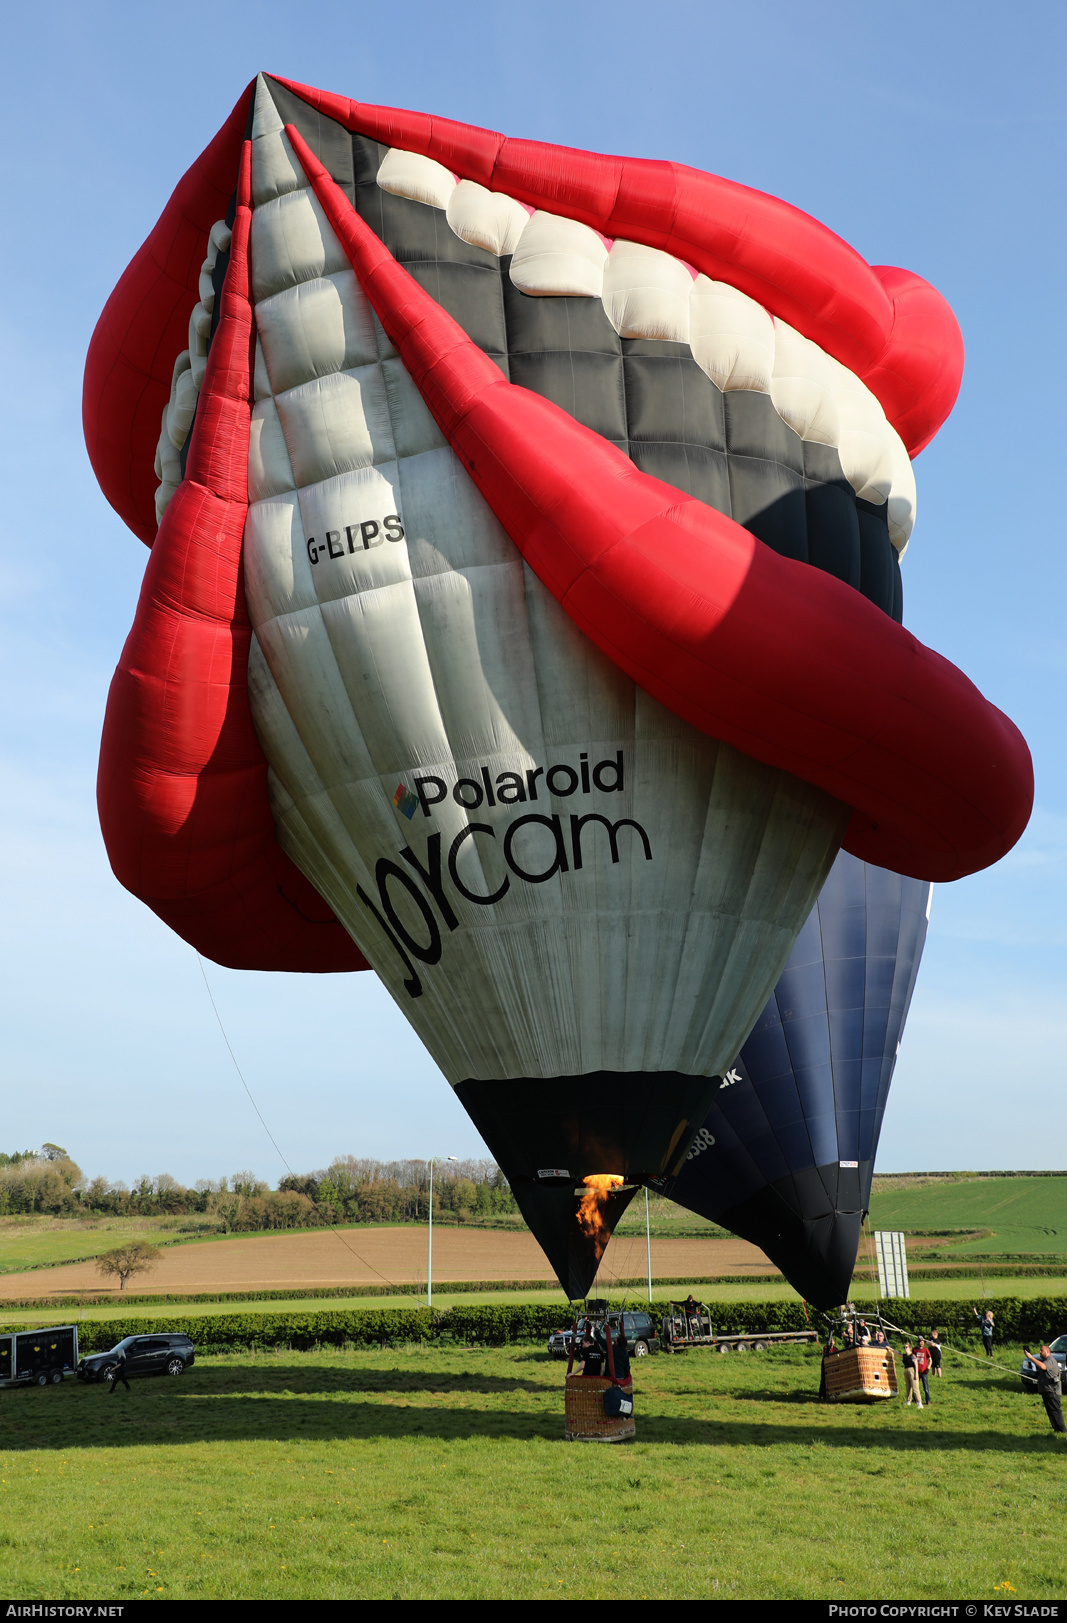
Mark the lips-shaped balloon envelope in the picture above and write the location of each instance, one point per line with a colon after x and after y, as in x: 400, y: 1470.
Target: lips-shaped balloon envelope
x: 785, y: 1155
x: 564, y: 747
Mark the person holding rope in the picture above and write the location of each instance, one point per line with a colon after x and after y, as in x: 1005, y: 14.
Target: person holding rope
x: 911, y: 1377
x: 986, y: 1326
x: 922, y: 1366
x: 1049, y: 1379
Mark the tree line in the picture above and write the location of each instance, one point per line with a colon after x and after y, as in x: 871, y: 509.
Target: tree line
x: 352, y: 1189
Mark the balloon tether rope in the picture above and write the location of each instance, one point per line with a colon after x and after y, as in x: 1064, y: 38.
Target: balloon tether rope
x: 322, y: 1219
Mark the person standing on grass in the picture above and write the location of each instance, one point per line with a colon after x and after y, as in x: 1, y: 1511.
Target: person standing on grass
x: 1049, y: 1379
x: 935, y: 1353
x: 986, y: 1326
x: 116, y: 1372
x: 922, y: 1366
x: 911, y: 1378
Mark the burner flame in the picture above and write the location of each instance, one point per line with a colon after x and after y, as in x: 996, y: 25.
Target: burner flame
x: 590, y: 1214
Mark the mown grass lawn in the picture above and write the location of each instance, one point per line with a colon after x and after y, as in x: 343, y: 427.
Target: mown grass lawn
x: 439, y: 1471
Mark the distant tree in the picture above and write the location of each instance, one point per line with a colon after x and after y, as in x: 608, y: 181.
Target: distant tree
x: 246, y: 1183
x: 52, y: 1152
x: 135, y: 1258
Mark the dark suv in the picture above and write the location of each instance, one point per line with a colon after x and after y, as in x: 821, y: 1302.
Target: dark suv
x: 641, y: 1334
x: 145, y: 1355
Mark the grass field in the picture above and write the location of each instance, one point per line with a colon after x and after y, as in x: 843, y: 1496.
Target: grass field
x: 38, y: 1241
x: 431, y: 1472
x: 1025, y: 1214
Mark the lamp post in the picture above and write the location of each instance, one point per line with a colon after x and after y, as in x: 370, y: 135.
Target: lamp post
x: 429, y: 1249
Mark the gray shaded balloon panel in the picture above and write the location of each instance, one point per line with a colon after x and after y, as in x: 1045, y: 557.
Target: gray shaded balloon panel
x: 809, y: 1090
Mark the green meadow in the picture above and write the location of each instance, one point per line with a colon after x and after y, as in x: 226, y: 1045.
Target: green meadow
x: 433, y: 1472
x: 1017, y: 1215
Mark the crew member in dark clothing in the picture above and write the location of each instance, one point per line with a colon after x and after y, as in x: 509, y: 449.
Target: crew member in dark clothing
x: 986, y: 1326
x: 592, y: 1356
x: 935, y: 1353
x: 116, y: 1373
x: 1049, y: 1378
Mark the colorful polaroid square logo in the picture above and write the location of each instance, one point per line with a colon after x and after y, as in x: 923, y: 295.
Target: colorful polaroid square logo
x: 405, y: 801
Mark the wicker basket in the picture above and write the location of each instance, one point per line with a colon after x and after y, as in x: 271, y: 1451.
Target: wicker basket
x: 586, y: 1421
x: 861, y: 1375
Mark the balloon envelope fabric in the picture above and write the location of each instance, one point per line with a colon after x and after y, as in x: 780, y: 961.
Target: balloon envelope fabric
x: 360, y: 721
x: 786, y: 1153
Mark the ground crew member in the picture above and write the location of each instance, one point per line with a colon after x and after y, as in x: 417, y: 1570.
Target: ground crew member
x: 1049, y: 1377
x: 117, y: 1372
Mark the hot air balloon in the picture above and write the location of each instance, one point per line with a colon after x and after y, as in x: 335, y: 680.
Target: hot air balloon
x: 524, y: 531
x: 785, y: 1155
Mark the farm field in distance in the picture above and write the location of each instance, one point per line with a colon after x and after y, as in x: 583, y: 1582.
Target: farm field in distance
x: 440, y: 1471
x: 171, y: 1314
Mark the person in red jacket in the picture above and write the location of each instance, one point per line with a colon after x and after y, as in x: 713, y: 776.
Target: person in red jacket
x: 922, y: 1366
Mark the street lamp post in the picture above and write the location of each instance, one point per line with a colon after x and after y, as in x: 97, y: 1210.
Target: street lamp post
x: 429, y: 1248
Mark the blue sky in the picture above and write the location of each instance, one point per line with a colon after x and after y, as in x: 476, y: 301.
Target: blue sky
x: 928, y: 137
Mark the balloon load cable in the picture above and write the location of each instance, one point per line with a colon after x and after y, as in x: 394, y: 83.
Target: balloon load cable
x: 986, y: 1363
x: 328, y: 1222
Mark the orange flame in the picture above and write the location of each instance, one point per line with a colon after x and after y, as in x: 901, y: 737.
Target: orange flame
x: 590, y: 1207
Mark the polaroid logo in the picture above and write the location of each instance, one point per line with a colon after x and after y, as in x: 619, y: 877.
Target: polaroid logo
x: 515, y: 788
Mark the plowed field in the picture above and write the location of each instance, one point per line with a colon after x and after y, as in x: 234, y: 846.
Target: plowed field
x: 377, y: 1256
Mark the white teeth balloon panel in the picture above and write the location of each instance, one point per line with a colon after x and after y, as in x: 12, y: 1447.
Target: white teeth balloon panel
x: 802, y: 386
x: 336, y: 422
x: 291, y: 241
x: 261, y: 388
x: 406, y: 174
x: 646, y: 293
x: 447, y: 525
x: 555, y: 256
x: 731, y: 336
x: 489, y: 220
x: 269, y: 468
x: 314, y: 328
x: 275, y: 170
x: 902, y: 497
x: 474, y: 626
x: 277, y: 569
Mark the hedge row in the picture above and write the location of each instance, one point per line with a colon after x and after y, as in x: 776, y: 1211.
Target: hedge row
x: 500, y: 1323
